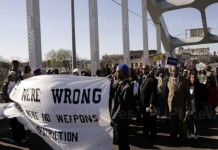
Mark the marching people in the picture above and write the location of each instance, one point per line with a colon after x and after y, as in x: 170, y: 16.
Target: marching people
x: 212, y: 99
x: 162, y: 92
x: 37, y: 72
x: 76, y: 72
x: 18, y: 131
x: 185, y: 73
x: 49, y: 71
x: 178, y: 103
x: 148, y: 100
x: 15, y: 67
x: 113, y: 73
x: 55, y: 71
x: 27, y: 72
x: 99, y: 73
x: 121, y: 95
x: 199, y: 95
x: 135, y: 102
x: 114, y: 81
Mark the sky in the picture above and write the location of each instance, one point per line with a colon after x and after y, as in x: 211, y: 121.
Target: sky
x: 55, y: 17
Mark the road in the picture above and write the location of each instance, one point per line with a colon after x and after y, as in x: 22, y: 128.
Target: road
x: 207, y: 140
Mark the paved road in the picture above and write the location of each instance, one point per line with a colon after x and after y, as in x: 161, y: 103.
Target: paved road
x: 208, y: 139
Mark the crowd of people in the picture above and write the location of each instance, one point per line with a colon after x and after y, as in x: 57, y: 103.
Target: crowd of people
x: 185, y: 96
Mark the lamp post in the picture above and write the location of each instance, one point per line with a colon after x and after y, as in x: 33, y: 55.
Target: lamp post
x: 73, y: 36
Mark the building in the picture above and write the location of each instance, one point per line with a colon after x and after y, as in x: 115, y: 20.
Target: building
x: 191, y: 56
x: 136, y: 59
x: 112, y: 59
x: 194, y: 51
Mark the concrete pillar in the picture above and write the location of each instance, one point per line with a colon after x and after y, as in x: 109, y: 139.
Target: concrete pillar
x: 34, y: 34
x: 145, y: 32
x: 158, y: 40
x: 94, y: 37
x: 125, y: 27
x: 158, y: 37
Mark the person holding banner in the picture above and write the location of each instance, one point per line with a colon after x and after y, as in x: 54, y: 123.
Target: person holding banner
x: 121, y: 96
x: 15, y: 67
x: 18, y: 131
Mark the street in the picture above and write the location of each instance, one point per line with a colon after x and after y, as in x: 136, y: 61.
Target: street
x: 207, y: 140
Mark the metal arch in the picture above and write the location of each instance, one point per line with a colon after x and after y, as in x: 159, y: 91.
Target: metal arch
x: 157, y: 7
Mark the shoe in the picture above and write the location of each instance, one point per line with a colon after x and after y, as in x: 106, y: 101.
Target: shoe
x: 23, y: 141
x: 195, y: 137
x: 190, y: 136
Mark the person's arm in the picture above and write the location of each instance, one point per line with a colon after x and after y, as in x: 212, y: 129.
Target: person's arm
x: 5, y: 95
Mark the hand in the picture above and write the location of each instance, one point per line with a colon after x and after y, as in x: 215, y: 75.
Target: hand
x: 109, y: 76
x: 113, y: 124
x: 152, y: 106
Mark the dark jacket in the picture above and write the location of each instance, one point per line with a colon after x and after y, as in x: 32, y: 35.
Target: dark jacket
x: 121, y: 96
x: 148, y: 91
x: 200, y: 94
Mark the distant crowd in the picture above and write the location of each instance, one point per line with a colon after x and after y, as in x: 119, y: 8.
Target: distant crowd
x: 184, y: 96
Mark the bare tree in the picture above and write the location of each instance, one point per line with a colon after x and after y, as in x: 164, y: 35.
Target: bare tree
x: 51, y: 58
x: 64, y: 57
x: 61, y: 58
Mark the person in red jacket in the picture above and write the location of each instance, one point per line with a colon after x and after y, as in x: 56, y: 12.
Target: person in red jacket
x: 211, y: 101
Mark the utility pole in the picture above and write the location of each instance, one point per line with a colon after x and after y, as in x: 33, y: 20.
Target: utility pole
x: 73, y: 37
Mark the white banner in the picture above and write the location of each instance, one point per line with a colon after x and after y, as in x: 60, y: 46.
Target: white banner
x: 68, y: 112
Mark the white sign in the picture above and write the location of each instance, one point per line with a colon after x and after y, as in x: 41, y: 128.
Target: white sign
x: 68, y: 112
x: 200, y: 66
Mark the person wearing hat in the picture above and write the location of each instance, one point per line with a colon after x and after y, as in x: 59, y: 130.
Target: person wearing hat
x: 121, y: 95
x: 18, y: 131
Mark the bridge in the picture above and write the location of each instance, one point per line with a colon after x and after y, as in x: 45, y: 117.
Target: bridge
x: 156, y: 9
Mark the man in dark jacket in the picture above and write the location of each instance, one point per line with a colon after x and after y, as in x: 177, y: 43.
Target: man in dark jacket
x: 199, y: 95
x: 121, y: 96
x: 15, y: 67
x: 148, y: 99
